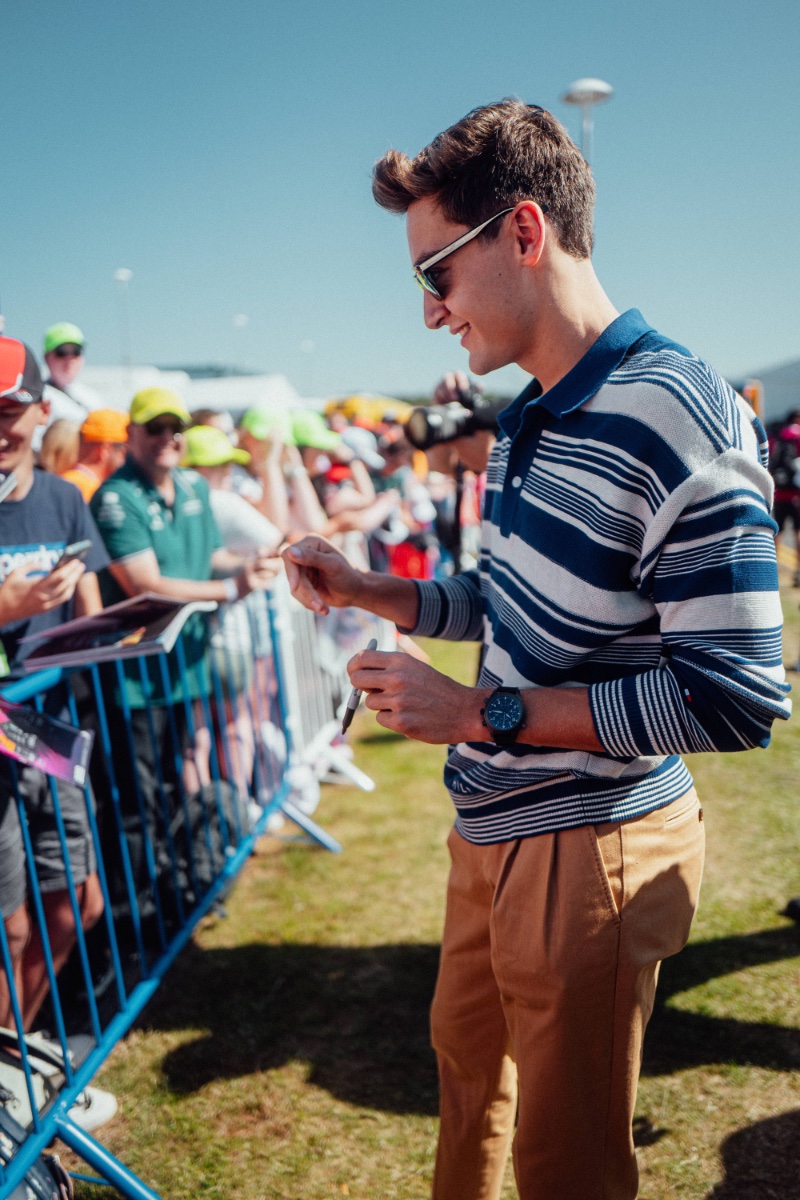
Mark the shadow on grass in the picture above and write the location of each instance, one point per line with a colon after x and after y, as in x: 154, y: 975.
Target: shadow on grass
x: 357, y: 1016
x: 678, y: 1039
x: 762, y: 1162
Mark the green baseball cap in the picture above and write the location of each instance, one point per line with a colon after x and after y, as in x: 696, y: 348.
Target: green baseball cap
x: 261, y: 422
x: 156, y: 402
x: 207, y: 446
x: 61, y: 334
x: 311, y: 429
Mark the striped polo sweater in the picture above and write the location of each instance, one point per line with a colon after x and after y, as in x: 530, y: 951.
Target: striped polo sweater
x: 628, y: 547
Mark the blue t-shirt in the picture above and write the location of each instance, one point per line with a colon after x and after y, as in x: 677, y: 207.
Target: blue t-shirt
x: 35, y: 530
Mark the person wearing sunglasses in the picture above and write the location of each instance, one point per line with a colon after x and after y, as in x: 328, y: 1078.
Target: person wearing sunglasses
x: 627, y: 602
x: 156, y: 521
x: 64, y: 356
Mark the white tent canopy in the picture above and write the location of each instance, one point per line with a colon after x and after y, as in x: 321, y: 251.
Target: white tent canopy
x: 234, y: 393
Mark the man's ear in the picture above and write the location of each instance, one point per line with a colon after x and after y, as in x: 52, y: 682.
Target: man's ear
x: 44, y: 412
x: 530, y: 230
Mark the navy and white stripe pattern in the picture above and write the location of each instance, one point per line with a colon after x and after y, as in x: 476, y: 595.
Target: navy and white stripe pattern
x: 627, y: 547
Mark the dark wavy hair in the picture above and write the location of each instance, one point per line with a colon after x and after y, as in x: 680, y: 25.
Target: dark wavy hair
x: 491, y: 159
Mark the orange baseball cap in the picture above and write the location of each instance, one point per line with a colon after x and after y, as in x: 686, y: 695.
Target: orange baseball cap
x: 105, y: 425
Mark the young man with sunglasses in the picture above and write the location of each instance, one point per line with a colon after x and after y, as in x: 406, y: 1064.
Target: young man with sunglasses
x: 39, y: 517
x: 628, y: 606
x: 156, y: 521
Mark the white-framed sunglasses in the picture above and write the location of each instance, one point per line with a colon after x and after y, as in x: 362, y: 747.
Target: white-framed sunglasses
x: 421, y: 275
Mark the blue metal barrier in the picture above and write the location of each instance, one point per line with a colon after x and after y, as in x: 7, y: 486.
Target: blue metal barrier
x: 170, y: 833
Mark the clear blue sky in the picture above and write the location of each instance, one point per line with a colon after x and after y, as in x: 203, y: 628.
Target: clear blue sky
x: 223, y: 152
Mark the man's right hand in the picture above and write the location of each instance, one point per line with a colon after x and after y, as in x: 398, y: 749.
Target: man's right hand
x: 320, y: 576
x: 25, y: 595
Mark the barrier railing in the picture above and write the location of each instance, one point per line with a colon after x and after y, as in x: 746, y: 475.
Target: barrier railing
x: 194, y: 753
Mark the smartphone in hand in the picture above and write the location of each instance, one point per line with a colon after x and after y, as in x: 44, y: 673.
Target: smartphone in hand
x: 77, y: 550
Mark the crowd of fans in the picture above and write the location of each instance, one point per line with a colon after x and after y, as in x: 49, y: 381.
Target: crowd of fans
x: 194, y: 506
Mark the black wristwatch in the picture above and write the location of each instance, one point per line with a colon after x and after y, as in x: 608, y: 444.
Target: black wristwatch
x: 504, y: 715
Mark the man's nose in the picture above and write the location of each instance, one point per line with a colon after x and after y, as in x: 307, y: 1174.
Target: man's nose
x: 434, y: 311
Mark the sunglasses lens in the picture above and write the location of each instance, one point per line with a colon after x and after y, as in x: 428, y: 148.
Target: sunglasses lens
x: 68, y: 352
x: 426, y: 285
x: 157, y: 428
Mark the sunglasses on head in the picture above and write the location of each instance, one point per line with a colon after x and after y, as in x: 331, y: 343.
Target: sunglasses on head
x: 427, y: 278
x: 68, y: 351
x: 157, y: 427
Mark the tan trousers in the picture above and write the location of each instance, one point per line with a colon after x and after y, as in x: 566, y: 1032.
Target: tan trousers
x: 548, y: 973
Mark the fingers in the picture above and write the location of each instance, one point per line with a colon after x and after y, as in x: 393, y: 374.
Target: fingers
x: 299, y: 583
x: 450, y: 387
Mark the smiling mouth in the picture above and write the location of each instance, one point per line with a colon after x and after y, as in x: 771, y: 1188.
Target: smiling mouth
x: 462, y: 330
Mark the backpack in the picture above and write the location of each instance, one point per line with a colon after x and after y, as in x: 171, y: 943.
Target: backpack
x: 783, y: 462
x: 45, y: 1179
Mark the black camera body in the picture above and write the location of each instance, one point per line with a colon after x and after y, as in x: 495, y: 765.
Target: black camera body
x: 427, y: 427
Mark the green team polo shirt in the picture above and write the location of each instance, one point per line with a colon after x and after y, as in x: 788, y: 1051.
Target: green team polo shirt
x: 132, y: 517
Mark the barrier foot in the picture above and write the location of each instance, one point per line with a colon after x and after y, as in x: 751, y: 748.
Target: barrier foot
x: 310, y: 827
x: 102, y: 1161
x: 340, y: 763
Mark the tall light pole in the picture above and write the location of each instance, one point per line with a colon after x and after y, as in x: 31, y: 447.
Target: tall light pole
x: 122, y: 277
x: 584, y: 93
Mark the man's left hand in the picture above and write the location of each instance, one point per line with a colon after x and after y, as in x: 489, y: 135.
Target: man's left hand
x: 411, y: 698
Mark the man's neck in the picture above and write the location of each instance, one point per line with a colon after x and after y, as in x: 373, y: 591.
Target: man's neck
x: 24, y: 476
x: 574, y: 315
x: 162, y: 480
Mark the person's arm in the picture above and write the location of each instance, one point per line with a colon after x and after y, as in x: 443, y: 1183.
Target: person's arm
x: 412, y: 698
x: 714, y: 581
x: 141, y: 573
x: 274, y: 502
x: 711, y: 572
x: 87, y: 595
x: 321, y: 578
x: 359, y: 495
x: 306, y: 514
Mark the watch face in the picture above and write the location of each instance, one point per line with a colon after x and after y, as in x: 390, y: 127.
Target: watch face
x: 504, y: 711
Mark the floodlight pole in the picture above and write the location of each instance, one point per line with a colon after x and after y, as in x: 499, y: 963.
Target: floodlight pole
x: 584, y: 93
x: 122, y: 277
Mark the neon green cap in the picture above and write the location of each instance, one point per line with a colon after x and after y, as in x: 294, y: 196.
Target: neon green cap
x: 156, y: 402
x: 311, y: 429
x: 261, y: 422
x: 61, y: 334
x: 207, y: 446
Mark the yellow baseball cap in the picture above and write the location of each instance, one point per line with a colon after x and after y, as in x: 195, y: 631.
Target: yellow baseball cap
x: 207, y: 446
x: 157, y: 402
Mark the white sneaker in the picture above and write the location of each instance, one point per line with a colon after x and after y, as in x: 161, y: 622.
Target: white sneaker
x: 93, y: 1108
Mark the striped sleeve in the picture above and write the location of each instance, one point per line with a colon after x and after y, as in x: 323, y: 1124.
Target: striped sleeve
x: 710, y: 570
x: 450, y: 609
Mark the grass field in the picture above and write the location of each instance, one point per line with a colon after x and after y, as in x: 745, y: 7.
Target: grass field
x: 287, y: 1054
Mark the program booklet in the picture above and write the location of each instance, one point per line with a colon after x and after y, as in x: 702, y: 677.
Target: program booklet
x: 146, y: 624
x: 37, y: 740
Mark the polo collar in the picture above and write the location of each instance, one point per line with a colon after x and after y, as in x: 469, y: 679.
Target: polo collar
x: 586, y: 377
x: 131, y: 470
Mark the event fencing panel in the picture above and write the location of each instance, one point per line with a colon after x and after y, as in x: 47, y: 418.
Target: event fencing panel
x: 193, y: 757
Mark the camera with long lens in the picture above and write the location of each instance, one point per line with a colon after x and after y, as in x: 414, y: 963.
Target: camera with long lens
x: 427, y: 427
